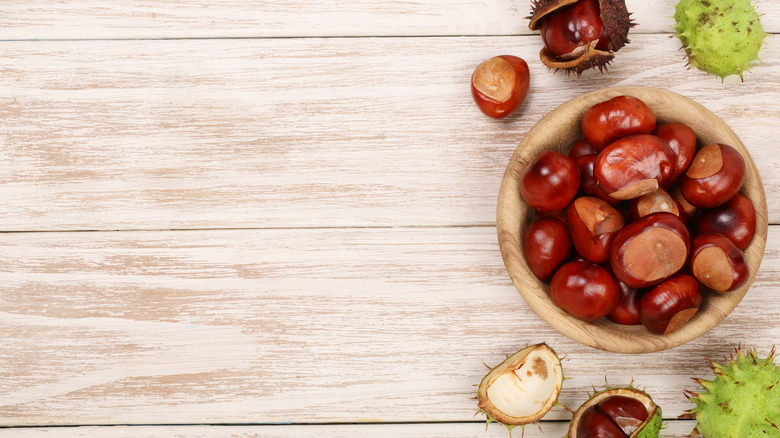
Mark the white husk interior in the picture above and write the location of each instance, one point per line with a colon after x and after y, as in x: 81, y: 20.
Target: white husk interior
x: 526, y: 390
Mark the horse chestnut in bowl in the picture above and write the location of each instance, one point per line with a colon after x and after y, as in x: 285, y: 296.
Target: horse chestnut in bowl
x: 616, y: 118
x: 736, y: 219
x: 718, y: 263
x: 650, y: 250
x: 593, y: 224
x: 500, y: 84
x: 626, y: 312
x: 547, y: 244
x: 584, y: 290
x: 588, y: 185
x: 655, y: 202
x: 682, y: 141
x: 550, y: 182
x: 634, y: 166
x: 715, y: 176
x: 669, y: 305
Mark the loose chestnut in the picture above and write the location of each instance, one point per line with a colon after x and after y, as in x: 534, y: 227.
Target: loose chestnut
x: 546, y: 245
x: 550, y: 181
x: 715, y: 176
x: 655, y: 202
x: 593, y: 225
x: 736, y: 219
x: 500, y: 84
x: 584, y: 290
x: 616, y: 118
x: 669, y: 305
x: 634, y: 166
x: 718, y: 263
x: 682, y: 141
x: 626, y: 312
x: 588, y: 184
x: 580, y: 149
x: 650, y: 250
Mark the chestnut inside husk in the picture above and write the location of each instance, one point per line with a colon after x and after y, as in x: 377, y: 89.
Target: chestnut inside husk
x: 616, y: 24
x: 618, y: 417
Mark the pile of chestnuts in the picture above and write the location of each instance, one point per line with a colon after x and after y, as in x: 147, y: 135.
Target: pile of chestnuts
x: 636, y: 223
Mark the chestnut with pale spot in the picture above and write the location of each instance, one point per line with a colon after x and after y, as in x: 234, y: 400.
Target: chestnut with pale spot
x: 500, y: 84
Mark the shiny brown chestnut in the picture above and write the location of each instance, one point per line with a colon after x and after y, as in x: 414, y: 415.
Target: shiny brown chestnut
x: 655, y: 202
x: 627, y: 412
x: 634, y: 166
x: 593, y: 225
x: 550, y: 181
x: 500, y: 84
x: 595, y: 424
x: 580, y: 149
x: 682, y: 141
x: 588, y: 184
x: 584, y: 290
x: 717, y: 263
x: 669, y: 305
x: 546, y: 245
x: 650, y: 250
x: 736, y: 219
x: 616, y: 118
x: 715, y: 176
x: 626, y: 312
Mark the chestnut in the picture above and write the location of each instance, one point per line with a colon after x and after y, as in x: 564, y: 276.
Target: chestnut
x: 715, y: 176
x: 593, y: 224
x: 615, y: 118
x: 655, y: 202
x: 588, y: 184
x: 736, y: 219
x: 634, y: 166
x: 595, y: 424
x: 682, y: 141
x: 650, y: 250
x: 626, y: 312
x: 500, y: 84
x: 584, y: 290
x: 627, y: 412
x: 580, y: 149
x: 550, y: 181
x: 669, y: 305
x: 546, y: 245
x: 718, y: 263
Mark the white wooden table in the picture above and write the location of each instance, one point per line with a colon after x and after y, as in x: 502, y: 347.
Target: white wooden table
x: 230, y: 218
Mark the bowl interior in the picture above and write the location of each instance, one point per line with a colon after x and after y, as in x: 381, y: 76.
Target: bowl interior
x: 558, y: 131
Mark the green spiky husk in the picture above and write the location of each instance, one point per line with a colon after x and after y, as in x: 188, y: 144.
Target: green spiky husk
x: 720, y: 37
x: 743, y: 400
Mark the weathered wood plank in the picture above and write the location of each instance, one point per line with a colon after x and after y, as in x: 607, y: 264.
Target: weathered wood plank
x: 276, y: 326
x: 674, y: 429
x: 299, y: 132
x: 93, y: 19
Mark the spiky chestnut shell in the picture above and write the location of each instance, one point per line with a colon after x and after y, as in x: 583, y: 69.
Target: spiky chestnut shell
x: 742, y: 401
x: 720, y: 37
x: 650, y: 428
x: 523, y: 388
x: 616, y: 21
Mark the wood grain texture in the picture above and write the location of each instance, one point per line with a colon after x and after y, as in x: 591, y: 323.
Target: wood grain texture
x: 558, y: 131
x: 277, y: 326
x: 674, y: 429
x: 117, y: 135
x: 122, y: 19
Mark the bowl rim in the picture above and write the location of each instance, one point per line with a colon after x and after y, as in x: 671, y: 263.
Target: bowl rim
x: 512, y: 215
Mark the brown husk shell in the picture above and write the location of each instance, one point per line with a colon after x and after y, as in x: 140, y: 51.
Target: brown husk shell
x: 615, y: 19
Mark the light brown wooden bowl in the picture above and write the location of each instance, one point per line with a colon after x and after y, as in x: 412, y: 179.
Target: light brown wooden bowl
x: 557, y: 131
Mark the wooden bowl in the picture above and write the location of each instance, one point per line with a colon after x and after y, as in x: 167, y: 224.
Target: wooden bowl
x: 557, y: 131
